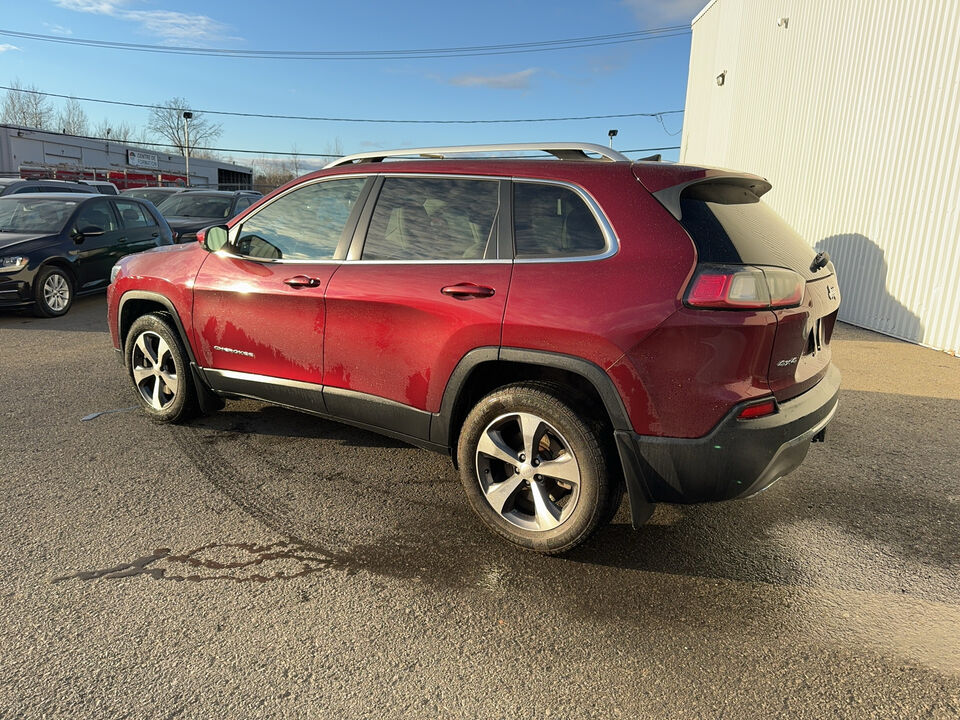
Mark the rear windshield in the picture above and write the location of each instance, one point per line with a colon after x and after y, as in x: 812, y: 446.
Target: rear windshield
x: 154, y: 196
x: 730, y: 224
x: 190, y: 205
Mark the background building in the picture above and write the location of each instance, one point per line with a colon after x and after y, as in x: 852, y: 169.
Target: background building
x: 852, y: 110
x: 29, y: 153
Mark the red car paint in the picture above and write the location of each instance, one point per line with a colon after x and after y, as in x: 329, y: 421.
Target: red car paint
x: 387, y: 331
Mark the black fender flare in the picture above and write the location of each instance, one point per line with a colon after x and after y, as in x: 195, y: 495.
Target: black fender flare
x: 441, y: 432
x: 162, y: 300
x: 209, y: 401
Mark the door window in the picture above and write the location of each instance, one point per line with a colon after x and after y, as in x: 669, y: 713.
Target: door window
x: 305, y: 224
x: 96, y: 214
x: 432, y: 219
x: 553, y: 221
x: 133, y: 215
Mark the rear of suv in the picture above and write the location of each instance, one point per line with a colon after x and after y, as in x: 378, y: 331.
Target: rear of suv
x: 566, y: 329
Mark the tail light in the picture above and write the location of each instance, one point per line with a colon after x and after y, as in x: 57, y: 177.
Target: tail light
x: 201, y: 235
x: 744, y: 287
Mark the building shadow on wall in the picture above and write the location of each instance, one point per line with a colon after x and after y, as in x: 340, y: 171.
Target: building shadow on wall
x: 862, y: 275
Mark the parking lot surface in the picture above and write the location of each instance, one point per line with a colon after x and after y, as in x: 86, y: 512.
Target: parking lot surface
x: 264, y: 563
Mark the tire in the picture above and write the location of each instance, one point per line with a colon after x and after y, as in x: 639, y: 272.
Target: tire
x: 511, y: 444
x: 158, y: 366
x: 52, y: 292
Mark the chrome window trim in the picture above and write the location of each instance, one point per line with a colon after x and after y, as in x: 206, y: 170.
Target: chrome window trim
x: 609, y: 235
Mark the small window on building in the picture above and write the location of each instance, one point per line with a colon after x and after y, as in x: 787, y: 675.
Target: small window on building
x: 432, y: 219
x: 553, y: 221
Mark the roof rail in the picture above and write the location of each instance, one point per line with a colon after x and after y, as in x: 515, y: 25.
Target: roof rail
x: 561, y: 150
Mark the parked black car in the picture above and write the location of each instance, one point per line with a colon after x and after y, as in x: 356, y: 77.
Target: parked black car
x: 54, y: 246
x: 191, y: 210
x: 15, y: 186
x: 156, y: 195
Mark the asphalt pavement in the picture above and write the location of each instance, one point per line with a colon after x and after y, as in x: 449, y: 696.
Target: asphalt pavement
x: 260, y: 563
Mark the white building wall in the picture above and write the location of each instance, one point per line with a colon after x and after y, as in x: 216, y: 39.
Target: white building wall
x: 852, y: 110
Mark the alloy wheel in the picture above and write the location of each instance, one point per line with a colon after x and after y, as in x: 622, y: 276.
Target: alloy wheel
x: 154, y: 371
x: 56, y: 292
x: 527, y: 471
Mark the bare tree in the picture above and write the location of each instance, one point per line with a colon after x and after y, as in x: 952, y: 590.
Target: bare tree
x: 116, y: 131
x: 167, y: 122
x: 72, y: 120
x: 24, y: 106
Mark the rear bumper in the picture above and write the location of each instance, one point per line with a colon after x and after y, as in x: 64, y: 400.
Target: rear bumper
x: 738, y: 457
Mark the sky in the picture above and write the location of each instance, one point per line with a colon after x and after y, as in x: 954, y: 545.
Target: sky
x: 633, y: 77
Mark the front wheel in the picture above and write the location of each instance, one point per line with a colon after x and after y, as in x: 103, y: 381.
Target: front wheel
x: 158, y: 366
x: 52, y: 292
x: 534, y: 470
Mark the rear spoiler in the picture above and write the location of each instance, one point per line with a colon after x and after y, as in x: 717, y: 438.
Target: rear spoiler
x: 669, y: 192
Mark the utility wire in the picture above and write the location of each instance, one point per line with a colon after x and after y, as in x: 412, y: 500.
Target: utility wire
x: 345, y: 120
x: 409, y: 54
x: 287, y: 153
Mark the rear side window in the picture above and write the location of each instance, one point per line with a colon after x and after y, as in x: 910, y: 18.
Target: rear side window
x: 432, y: 219
x: 133, y: 215
x: 553, y: 221
x: 305, y: 224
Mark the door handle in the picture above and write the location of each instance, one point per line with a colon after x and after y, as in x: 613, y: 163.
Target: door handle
x: 464, y: 291
x: 302, y: 281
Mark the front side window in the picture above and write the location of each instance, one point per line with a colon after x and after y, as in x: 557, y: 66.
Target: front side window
x: 553, y: 221
x: 432, y: 219
x: 305, y: 224
x: 96, y: 214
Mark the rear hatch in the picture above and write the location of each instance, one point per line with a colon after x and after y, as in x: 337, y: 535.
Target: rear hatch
x: 730, y: 225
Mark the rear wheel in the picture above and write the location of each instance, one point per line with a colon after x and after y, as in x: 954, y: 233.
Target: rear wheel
x: 52, y: 292
x: 158, y: 366
x: 533, y: 469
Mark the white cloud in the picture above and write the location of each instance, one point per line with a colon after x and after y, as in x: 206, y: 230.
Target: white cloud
x: 6, y: 46
x: 510, y: 81
x: 58, y: 29
x: 665, y: 11
x: 168, y: 25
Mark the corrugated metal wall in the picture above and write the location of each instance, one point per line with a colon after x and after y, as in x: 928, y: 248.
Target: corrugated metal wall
x: 852, y: 110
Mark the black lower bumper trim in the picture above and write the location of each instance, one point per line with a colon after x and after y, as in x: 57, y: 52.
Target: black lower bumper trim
x: 739, y: 457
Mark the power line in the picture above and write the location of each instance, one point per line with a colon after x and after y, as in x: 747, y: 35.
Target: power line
x: 287, y: 153
x: 409, y: 54
x: 231, y: 113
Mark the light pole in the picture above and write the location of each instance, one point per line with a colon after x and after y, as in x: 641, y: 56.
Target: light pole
x: 186, y: 141
x: 612, y: 134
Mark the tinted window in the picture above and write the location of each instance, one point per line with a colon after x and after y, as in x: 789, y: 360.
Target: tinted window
x: 96, y: 214
x: 432, y: 219
x: 27, y: 189
x: 730, y: 224
x: 242, y: 204
x: 305, y: 224
x: 133, y: 215
x: 552, y: 221
x: 189, y: 204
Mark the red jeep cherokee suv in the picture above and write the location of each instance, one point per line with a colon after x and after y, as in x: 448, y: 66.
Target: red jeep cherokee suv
x: 566, y: 328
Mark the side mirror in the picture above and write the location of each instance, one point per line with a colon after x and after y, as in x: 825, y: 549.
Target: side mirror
x: 88, y: 231
x: 213, y: 238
